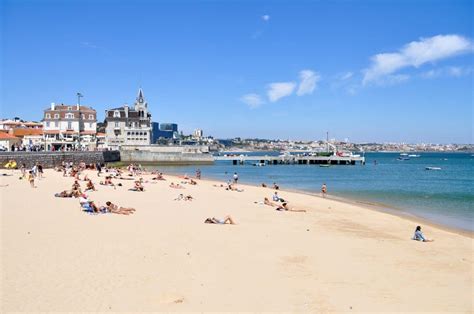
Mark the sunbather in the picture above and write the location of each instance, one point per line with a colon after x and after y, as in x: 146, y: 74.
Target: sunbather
x: 227, y: 220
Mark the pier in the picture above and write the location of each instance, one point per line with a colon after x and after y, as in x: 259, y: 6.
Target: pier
x: 294, y: 159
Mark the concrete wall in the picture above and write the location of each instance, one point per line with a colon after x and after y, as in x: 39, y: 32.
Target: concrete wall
x: 154, y: 157
x: 52, y: 159
x: 184, y: 149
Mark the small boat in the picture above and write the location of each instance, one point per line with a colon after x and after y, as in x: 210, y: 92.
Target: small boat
x: 403, y: 158
x: 259, y: 164
x: 414, y: 156
x: 432, y: 168
x: 324, y: 165
x: 403, y: 154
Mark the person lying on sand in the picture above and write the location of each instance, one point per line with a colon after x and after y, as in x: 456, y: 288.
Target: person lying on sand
x: 112, y: 208
x: 284, y: 207
x: 266, y: 201
x: 182, y: 197
x: 138, y: 187
x: 227, y: 220
x: 231, y: 187
x: 275, y: 186
x: 176, y: 186
x: 192, y: 182
x: 64, y: 193
x: 159, y: 176
x: 418, y: 236
x: 264, y: 185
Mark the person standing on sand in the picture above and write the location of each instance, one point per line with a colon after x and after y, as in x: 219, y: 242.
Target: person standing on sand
x: 236, y: 177
x: 40, y: 170
x: 31, y: 179
x: 198, y: 174
x: 418, y: 236
x: 324, y: 189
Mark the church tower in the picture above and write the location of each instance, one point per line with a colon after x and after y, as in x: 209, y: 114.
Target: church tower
x: 141, y: 106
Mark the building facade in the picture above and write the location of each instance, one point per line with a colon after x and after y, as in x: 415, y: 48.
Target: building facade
x: 128, y: 125
x: 69, y: 127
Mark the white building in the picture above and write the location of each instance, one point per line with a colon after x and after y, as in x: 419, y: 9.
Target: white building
x: 129, y: 126
x: 69, y: 127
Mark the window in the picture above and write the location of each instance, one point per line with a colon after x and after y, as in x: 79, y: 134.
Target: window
x: 47, y: 124
x: 48, y: 116
x: 69, y: 116
x: 91, y: 117
x: 69, y: 125
x: 144, y: 133
x: 116, y: 124
x: 69, y: 108
x: 55, y: 124
x: 83, y: 116
x: 56, y: 115
x: 90, y: 125
x: 116, y: 114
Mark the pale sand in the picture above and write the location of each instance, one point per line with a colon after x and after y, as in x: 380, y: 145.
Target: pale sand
x: 336, y: 257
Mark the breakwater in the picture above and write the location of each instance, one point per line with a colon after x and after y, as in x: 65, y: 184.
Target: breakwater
x: 52, y: 159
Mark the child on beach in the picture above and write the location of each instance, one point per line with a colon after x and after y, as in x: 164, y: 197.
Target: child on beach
x: 418, y: 236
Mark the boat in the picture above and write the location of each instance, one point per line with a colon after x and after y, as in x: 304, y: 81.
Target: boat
x: 324, y: 165
x: 414, y: 156
x: 259, y: 164
x: 403, y: 158
x: 432, y: 168
x: 403, y: 154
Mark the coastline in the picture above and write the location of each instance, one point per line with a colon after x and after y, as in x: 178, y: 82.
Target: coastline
x: 367, y: 204
x: 335, y: 257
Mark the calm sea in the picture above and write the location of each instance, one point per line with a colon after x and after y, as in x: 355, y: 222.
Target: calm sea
x: 443, y: 196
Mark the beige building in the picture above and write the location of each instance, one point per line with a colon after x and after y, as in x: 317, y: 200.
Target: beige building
x: 128, y: 125
x: 69, y: 127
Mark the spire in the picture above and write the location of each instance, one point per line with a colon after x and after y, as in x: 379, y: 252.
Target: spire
x: 140, y: 94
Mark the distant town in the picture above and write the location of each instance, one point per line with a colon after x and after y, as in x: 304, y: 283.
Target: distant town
x: 74, y: 127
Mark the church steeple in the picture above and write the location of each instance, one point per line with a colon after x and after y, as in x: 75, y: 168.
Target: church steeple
x: 140, y: 97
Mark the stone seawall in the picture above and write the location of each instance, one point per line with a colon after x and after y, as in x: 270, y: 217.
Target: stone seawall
x: 151, y: 157
x: 52, y: 159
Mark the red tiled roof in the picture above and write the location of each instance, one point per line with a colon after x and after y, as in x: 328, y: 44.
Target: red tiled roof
x: 23, y: 131
x: 6, y: 136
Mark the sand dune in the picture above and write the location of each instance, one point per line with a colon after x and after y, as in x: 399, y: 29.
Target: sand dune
x: 335, y: 257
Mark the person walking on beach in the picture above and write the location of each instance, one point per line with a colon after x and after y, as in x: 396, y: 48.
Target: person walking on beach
x: 198, y: 174
x: 31, y: 179
x: 324, y: 189
x: 418, y: 236
x: 99, y: 169
x: 40, y: 170
x: 236, y: 177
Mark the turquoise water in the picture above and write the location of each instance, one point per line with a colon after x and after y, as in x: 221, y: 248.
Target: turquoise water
x: 445, y: 196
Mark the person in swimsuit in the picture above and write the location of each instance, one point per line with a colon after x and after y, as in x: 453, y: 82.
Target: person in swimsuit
x: 226, y: 220
x: 284, y: 207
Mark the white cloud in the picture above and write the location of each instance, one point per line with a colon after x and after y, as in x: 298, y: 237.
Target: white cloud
x: 346, y: 76
x: 309, y: 79
x: 279, y: 90
x: 252, y: 100
x: 415, y: 54
x: 451, y: 71
x: 266, y: 17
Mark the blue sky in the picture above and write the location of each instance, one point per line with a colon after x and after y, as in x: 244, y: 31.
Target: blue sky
x: 386, y: 71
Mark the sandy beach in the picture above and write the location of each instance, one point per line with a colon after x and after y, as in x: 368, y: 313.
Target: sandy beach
x: 335, y: 257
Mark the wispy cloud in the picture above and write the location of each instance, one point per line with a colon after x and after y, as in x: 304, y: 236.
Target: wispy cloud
x: 346, y: 76
x: 451, y: 71
x: 252, y: 100
x: 266, y: 17
x: 279, y: 90
x: 308, y: 81
x: 88, y: 45
x: 415, y: 54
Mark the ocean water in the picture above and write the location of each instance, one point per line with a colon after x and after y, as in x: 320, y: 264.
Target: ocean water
x: 443, y: 196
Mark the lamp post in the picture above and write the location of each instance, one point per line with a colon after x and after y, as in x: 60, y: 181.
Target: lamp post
x: 79, y: 96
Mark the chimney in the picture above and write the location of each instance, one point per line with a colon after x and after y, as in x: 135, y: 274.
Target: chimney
x: 125, y: 106
x: 53, y: 106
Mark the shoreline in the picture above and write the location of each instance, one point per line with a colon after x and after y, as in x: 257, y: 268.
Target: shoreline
x: 366, y: 204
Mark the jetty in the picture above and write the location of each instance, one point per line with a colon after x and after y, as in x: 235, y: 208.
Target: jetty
x: 293, y: 159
